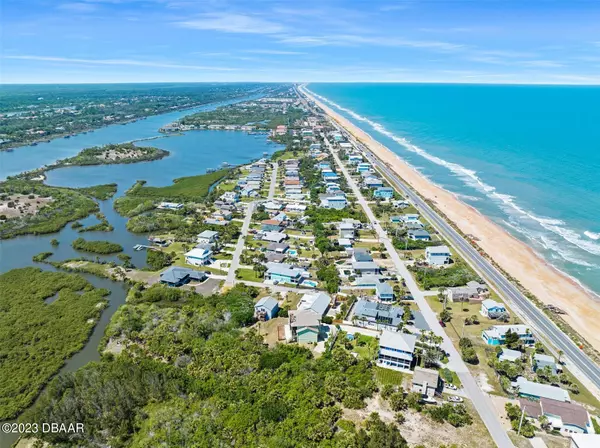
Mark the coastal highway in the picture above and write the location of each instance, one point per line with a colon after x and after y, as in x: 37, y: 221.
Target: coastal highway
x: 540, y: 323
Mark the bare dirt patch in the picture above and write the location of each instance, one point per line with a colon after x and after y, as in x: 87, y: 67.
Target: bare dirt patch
x: 19, y: 205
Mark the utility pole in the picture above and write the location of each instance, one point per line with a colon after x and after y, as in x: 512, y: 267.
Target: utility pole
x: 521, y: 422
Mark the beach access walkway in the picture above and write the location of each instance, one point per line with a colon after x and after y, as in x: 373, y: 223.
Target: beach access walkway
x: 480, y: 400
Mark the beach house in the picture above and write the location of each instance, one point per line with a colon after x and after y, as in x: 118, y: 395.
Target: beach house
x: 418, y: 235
x: 207, y: 237
x: 199, y: 256
x: 383, y: 193
x: 176, y: 276
x: 347, y: 230
x: 473, y: 291
x: 274, y: 237
x: 427, y: 382
x: 377, y: 315
x: 492, y: 309
x: 354, y: 159
x: 335, y: 201
x: 284, y: 273
x: 373, y: 182
x: 266, y: 308
x: 569, y: 418
x: 384, y: 292
x: 541, y: 361
x: 305, y: 326
x: 437, y: 255
x: 496, y: 335
x: 535, y: 391
x: 363, y: 167
x: 396, y: 350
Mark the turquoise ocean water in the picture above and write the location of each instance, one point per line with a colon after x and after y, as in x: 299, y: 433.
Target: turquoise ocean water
x: 528, y: 157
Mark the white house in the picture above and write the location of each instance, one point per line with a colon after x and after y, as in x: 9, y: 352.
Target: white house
x: 198, y: 256
x: 207, y: 237
x: 438, y: 255
x: 396, y: 349
x: 347, y: 230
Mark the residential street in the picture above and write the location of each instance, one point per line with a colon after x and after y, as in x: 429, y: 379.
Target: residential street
x: 480, y: 400
x: 239, y: 247
x: 273, y: 181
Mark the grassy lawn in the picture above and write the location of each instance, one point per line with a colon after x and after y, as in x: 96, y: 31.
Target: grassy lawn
x: 387, y: 376
x: 455, y: 330
x: 249, y: 275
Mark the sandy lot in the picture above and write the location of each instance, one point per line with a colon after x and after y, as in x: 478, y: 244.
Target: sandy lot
x: 18, y: 205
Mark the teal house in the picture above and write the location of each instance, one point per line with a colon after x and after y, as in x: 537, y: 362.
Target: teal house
x: 384, y: 193
x: 284, y: 273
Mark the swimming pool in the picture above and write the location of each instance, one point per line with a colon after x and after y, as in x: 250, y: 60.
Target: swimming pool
x: 309, y: 283
x: 293, y: 253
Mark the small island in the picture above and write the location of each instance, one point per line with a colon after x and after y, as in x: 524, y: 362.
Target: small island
x: 96, y: 247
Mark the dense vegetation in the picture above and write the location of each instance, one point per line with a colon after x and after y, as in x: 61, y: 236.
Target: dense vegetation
x: 35, y: 337
x: 155, y: 221
x: 100, y: 192
x: 96, y: 247
x: 114, y: 154
x: 191, y: 188
x: 458, y: 274
x: 242, y: 114
x: 66, y: 205
x: 102, y: 226
x: 197, y: 380
x: 42, y: 112
x: 156, y: 259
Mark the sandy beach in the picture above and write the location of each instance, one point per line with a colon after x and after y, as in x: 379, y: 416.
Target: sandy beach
x: 547, y: 283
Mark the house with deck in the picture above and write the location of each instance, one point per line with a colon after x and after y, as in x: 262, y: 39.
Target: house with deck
x: 207, y: 237
x: 437, y: 255
x: 266, y: 308
x: 396, y: 350
x: 199, y: 256
x: 492, y: 309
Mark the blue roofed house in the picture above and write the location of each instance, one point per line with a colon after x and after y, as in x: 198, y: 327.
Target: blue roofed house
x: 176, y: 276
x: 491, y: 309
x: 329, y: 175
x: 396, y: 350
x: 384, y: 292
x: 284, y: 273
x: 335, y: 201
x: 496, y: 335
x: 363, y: 167
x: 384, y: 193
x: 266, y: 308
x: 354, y: 159
x: 323, y: 166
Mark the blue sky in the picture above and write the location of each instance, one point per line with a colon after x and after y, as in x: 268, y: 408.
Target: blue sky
x: 503, y: 41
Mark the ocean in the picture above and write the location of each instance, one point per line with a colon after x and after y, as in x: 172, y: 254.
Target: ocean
x: 528, y: 157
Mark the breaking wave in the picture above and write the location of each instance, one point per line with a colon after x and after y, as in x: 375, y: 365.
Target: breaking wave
x: 506, y: 202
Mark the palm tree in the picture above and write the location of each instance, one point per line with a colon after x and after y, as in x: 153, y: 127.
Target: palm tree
x: 560, y: 355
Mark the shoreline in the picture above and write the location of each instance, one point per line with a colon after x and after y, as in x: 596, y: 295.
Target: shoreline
x: 546, y: 282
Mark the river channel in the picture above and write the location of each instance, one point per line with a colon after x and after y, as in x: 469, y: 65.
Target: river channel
x: 191, y: 153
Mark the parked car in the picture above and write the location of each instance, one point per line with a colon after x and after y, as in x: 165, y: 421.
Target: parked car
x: 450, y: 386
x: 442, y: 323
x: 455, y: 399
x: 429, y: 400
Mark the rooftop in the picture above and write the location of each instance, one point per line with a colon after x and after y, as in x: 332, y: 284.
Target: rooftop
x: 398, y: 341
x: 428, y: 376
x: 541, y: 390
x: 267, y: 302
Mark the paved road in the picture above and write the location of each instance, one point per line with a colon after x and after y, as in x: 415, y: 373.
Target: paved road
x: 540, y: 323
x: 273, y: 181
x: 275, y: 288
x: 239, y: 247
x: 481, y: 401
x: 581, y: 364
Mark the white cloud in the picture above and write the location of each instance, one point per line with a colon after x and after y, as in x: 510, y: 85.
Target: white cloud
x: 77, y: 7
x: 124, y: 62
x: 281, y: 52
x: 233, y: 23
